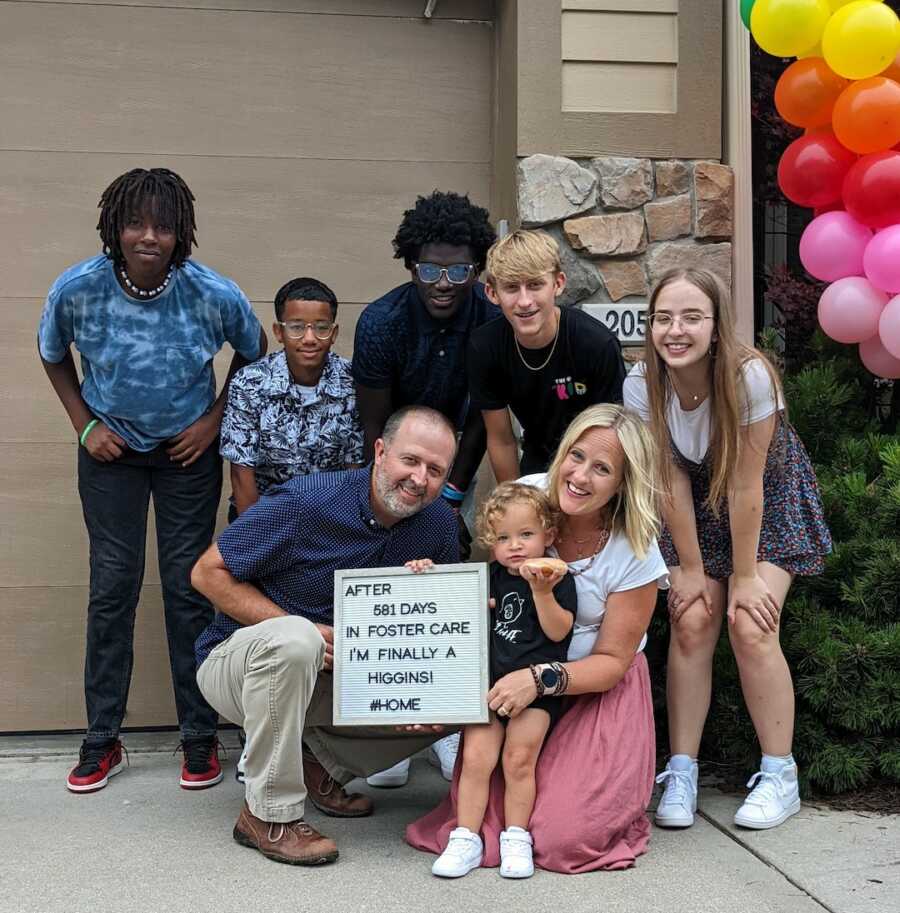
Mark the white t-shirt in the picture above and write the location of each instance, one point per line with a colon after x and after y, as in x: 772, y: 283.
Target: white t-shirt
x: 690, y: 429
x: 614, y: 570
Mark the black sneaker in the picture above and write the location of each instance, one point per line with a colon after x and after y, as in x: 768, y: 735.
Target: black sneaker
x: 201, y: 768
x: 97, y: 762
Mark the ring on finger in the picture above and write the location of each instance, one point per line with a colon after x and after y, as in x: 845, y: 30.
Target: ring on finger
x: 501, y: 711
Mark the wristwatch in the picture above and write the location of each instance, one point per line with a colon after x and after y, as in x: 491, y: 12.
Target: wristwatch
x: 549, y: 679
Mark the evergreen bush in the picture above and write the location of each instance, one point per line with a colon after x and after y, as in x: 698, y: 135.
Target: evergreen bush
x: 840, y: 631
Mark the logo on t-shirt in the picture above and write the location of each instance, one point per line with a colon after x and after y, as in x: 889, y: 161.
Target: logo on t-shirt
x: 566, y: 387
x: 510, y: 612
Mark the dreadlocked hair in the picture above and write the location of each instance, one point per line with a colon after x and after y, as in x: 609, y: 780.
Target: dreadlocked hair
x: 170, y: 202
x: 444, y: 218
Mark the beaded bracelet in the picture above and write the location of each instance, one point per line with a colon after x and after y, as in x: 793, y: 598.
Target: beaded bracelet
x: 452, y: 493
x: 538, y: 684
x: 88, y: 428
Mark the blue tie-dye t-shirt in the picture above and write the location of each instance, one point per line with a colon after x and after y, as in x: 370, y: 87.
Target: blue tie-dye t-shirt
x: 147, y: 365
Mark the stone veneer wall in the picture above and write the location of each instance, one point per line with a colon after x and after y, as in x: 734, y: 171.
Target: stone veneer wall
x: 623, y: 222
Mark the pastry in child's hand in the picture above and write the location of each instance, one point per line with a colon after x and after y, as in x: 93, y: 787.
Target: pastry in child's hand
x: 546, y: 567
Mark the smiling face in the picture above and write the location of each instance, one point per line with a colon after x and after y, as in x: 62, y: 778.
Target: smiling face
x: 147, y: 243
x: 529, y: 305
x: 410, y: 470
x: 519, y: 535
x: 691, y: 331
x: 592, y: 473
x: 305, y: 355
x: 442, y: 299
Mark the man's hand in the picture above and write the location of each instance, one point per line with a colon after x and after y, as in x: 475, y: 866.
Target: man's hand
x: 103, y: 444
x: 419, y: 565
x: 188, y: 446
x: 327, y: 633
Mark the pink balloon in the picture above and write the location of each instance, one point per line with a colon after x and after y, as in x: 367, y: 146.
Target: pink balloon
x: 878, y: 360
x: 889, y: 327
x: 850, y: 308
x: 832, y: 246
x: 882, y: 259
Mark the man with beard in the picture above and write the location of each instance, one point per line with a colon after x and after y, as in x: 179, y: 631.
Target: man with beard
x: 265, y: 660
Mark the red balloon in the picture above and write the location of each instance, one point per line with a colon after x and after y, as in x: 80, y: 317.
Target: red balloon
x: 812, y: 170
x: 872, y: 189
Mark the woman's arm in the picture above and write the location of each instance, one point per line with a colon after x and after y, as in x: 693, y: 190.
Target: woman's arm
x: 625, y: 622
x: 745, y: 507
x: 689, y: 583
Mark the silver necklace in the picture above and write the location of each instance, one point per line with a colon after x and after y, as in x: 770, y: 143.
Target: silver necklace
x: 142, y: 292
x: 602, y: 537
x: 546, y: 361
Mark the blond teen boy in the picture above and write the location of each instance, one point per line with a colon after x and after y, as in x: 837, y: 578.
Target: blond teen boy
x: 542, y: 362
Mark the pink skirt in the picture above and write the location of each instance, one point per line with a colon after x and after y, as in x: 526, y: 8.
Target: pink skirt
x: 594, y: 780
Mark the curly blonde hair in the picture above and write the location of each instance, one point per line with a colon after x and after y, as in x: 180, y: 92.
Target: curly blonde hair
x: 502, y: 498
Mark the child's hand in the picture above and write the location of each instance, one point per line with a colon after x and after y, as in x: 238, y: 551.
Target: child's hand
x: 419, y: 565
x: 542, y: 577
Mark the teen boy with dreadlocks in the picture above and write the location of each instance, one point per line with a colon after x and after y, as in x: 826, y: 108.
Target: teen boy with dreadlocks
x: 146, y: 321
x: 410, y: 349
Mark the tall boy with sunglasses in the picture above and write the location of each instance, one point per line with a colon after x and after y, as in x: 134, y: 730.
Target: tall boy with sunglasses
x: 410, y: 350
x: 293, y: 412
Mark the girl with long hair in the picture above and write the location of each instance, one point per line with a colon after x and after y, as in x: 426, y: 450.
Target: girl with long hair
x: 742, y: 516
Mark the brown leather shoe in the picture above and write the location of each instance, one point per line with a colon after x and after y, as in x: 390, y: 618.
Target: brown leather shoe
x: 295, y: 842
x: 328, y: 796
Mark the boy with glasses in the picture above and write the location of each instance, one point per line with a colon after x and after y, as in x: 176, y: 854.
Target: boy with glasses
x: 293, y: 412
x: 410, y: 349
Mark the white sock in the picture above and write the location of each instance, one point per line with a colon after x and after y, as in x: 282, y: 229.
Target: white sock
x: 775, y: 764
x: 681, y: 762
x: 516, y: 829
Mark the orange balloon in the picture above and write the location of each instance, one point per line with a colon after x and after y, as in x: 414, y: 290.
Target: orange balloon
x: 866, y: 117
x: 806, y: 92
x: 892, y: 71
x: 820, y: 128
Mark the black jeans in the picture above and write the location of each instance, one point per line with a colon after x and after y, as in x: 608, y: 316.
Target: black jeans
x: 115, y: 498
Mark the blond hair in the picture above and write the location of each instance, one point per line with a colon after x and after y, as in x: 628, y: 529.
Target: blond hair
x: 727, y: 388
x: 634, y: 508
x: 502, y: 498
x: 521, y: 256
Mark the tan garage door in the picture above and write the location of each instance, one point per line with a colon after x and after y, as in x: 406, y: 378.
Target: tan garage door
x: 304, y: 129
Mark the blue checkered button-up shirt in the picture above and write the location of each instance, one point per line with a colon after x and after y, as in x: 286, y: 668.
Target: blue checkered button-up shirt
x: 290, y: 543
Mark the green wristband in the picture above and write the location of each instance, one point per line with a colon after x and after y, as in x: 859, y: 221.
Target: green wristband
x: 88, y: 428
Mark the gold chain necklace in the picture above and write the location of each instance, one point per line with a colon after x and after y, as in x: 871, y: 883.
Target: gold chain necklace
x: 546, y: 361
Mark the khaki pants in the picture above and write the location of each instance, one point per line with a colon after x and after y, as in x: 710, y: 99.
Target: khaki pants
x: 267, y: 678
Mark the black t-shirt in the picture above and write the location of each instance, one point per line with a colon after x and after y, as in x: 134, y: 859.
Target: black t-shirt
x: 586, y: 368
x: 517, y: 638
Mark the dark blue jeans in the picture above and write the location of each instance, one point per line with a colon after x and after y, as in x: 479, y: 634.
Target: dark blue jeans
x: 115, y: 499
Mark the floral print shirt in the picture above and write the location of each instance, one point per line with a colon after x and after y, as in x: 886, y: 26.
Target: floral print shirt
x: 284, y: 430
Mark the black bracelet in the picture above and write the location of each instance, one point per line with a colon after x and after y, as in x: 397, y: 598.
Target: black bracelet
x: 538, y: 684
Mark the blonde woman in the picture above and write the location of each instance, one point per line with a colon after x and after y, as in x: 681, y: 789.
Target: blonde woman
x: 742, y: 516
x: 595, y: 773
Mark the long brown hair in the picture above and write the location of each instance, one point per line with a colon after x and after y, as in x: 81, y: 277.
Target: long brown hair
x: 727, y: 389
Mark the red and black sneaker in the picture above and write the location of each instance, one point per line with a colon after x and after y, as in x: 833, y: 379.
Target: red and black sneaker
x: 97, y: 762
x: 201, y: 767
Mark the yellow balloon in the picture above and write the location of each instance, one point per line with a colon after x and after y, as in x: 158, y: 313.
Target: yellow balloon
x: 837, y: 4
x: 786, y: 28
x: 815, y: 51
x: 861, y: 39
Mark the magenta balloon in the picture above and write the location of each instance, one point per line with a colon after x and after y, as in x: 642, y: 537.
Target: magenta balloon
x: 878, y: 360
x: 882, y: 259
x: 850, y: 308
x: 832, y: 246
x: 889, y: 327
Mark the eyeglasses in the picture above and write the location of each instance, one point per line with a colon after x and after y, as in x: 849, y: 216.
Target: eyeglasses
x: 689, y: 321
x: 296, y: 329
x: 457, y: 274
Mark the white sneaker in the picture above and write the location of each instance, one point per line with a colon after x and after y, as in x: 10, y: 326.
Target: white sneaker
x: 392, y: 777
x: 443, y: 754
x: 775, y: 796
x: 239, y: 774
x: 679, y: 800
x: 515, y: 853
x: 463, y: 854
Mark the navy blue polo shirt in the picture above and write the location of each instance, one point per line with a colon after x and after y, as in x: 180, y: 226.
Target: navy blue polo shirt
x: 293, y: 539
x: 398, y: 344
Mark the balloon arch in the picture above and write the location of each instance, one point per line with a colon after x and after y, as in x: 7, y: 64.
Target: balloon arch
x: 844, y: 91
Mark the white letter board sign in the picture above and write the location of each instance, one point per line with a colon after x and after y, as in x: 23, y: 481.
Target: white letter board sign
x: 411, y: 648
